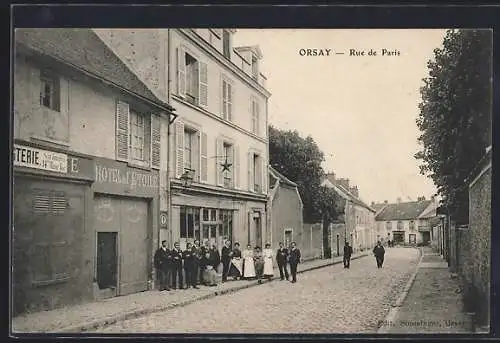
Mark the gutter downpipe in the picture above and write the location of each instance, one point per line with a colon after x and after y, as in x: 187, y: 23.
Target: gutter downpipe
x: 169, y: 99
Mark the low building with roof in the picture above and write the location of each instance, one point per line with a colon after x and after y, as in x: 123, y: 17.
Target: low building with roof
x: 90, y: 143
x: 356, y: 220
x: 286, y: 218
x: 407, y: 222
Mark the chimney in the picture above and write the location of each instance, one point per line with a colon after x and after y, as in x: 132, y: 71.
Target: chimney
x: 399, y: 200
x: 354, y: 191
x: 344, y: 183
x: 386, y: 202
x: 331, y: 177
x: 373, y: 203
x: 422, y: 198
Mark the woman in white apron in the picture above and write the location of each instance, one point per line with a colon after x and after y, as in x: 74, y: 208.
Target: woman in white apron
x: 268, y: 261
x: 236, y: 267
x: 248, y: 263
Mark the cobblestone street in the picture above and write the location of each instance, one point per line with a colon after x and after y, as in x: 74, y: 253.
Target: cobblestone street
x: 327, y: 300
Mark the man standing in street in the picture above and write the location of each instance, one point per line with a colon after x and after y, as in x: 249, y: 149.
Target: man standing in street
x: 197, y: 261
x: 189, y: 270
x: 177, y: 266
x: 226, y: 256
x: 294, y: 259
x: 379, y: 253
x: 161, y: 258
x: 281, y: 258
x: 347, y: 255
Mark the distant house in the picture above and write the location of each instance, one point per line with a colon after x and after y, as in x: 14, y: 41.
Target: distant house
x: 406, y: 222
x: 286, y: 221
x: 356, y: 222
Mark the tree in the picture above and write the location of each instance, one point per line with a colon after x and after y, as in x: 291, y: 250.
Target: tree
x: 300, y: 160
x: 455, y: 115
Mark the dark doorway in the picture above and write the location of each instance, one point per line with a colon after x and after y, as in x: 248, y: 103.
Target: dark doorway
x: 107, y: 259
x: 398, y: 237
x: 426, y: 237
x: 258, y: 231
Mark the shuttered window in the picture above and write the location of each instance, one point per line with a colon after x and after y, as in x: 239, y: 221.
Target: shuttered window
x: 138, y: 136
x: 49, y: 202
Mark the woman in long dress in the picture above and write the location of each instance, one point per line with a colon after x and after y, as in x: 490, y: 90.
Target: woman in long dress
x: 248, y: 263
x: 236, y: 266
x: 268, y: 261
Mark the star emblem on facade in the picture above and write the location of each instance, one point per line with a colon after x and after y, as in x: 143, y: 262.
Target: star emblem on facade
x: 226, y: 165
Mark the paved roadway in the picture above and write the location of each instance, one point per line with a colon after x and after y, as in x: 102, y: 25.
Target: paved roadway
x: 326, y: 300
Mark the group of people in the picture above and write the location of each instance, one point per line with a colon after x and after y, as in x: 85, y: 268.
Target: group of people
x: 201, y: 264
x: 378, y: 251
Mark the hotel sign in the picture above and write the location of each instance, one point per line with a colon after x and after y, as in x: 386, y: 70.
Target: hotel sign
x: 25, y: 156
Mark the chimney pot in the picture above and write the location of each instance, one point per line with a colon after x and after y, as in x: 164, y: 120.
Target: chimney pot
x: 399, y: 200
x: 386, y: 202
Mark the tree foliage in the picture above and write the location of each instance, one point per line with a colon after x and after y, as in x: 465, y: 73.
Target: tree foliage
x: 300, y: 160
x: 455, y: 114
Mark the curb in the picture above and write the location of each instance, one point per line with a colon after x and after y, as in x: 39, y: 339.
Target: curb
x: 389, y: 320
x: 141, y: 312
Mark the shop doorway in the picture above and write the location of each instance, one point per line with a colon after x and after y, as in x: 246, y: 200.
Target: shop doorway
x: 426, y: 237
x: 107, y: 260
x: 412, y: 238
x: 398, y: 237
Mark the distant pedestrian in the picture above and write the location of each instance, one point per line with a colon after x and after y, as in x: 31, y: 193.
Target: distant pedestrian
x: 226, y: 256
x: 258, y: 259
x: 294, y: 260
x: 268, y: 262
x: 189, y: 257
x: 281, y: 259
x: 176, y: 254
x: 388, y: 243
x: 379, y: 253
x: 248, y: 263
x: 162, y: 261
x: 347, y: 255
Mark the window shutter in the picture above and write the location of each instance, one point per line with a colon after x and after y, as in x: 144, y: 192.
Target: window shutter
x: 230, y: 96
x: 257, y: 118
x: 218, y: 160
x: 155, y: 141
x: 179, y: 149
x: 147, y: 139
x: 181, y: 72
x: 250, y: 172
x: 203, y: 158
x: 203, y: 85
x: 236, y: 166
x: 36, y: 86
x: 122, y: 130
x: 263, y: 183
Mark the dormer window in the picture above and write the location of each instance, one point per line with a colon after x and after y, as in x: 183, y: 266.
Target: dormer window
x: 226, y: 43
x: 255, y: 68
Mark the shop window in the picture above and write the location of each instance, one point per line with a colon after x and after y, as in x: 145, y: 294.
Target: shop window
x: 189, y: 222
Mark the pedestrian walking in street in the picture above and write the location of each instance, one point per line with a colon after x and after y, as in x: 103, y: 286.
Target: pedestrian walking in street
x: 226, y: 256
x: 379, y: 253
x: 236, y: 267
x: 176, y: 254
x: 161, y: 259
x: 189, y: 270
x: 347, y: 255
x: 268, y: 262
x: 248, y: 263
x: 294, y: 260
x: 281, y: 259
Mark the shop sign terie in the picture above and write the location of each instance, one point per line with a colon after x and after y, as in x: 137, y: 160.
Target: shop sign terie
x: 25, y: 156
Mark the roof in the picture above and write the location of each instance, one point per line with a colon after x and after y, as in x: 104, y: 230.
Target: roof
x: 283, y: 179
x: 378, y: 207
x: 403, y: 210
x: 345, y: 193
x: 83, y: 49
x: 255, y: 49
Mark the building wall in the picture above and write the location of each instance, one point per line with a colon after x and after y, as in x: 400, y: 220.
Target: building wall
x: 388, y: 233
x: 85, y: 127
x: 286, y: 214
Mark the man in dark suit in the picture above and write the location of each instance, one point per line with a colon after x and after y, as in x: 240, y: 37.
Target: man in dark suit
x: 379, y: 253
x: 226, y: 255
x: 176, y: 254
x: 347, y: 255
x: 162, y: 265
x: 189, y: 257
x: 281, y: 258
x: 294, y: 260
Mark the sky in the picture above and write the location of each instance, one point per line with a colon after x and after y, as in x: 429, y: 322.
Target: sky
x: 361, y: 110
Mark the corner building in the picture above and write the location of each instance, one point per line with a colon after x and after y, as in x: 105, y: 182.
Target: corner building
x: 220, y: 138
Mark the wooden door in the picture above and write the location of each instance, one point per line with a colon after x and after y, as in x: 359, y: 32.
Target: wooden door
x: 133, y: 246
x: 107, y: 259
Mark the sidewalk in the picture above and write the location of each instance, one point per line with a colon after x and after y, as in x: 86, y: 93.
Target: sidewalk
x: 432, y: 302
x: 90, y: 316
